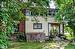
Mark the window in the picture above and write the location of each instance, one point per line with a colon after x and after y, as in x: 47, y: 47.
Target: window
x: 37, y: 26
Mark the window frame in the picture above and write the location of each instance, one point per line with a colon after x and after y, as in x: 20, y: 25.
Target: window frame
x: 37, y: 24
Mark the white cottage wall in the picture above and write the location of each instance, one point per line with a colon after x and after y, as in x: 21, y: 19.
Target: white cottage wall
x: 29, y: 25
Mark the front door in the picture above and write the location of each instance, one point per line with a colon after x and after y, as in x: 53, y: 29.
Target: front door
x: 22, y: 26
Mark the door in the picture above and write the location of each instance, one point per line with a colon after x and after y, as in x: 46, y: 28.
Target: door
x: 22, y: 26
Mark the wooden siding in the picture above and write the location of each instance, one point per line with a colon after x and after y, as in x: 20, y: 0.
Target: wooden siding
x: 22, y: 26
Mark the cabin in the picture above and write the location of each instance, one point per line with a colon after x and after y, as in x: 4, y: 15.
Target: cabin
x: 40, y: 27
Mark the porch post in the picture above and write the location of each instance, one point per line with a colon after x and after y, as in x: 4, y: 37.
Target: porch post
x: 62, y: 28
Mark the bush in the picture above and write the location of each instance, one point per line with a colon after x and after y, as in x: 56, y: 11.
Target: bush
x: 70, y: 46
x: 21, y: 37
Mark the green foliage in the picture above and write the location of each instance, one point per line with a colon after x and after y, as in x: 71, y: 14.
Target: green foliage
x: 36, y: 6
x: 54, y: 32
x: 66, y: 10
x: 70, y: 46
x: 26, y: 45
x: 8, y: 13
x: 68, y: 29
x: 3, y: 40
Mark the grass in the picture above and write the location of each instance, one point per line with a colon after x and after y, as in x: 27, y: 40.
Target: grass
x: 26, y: 45
x: 36, y: 45
x: 70, y: 46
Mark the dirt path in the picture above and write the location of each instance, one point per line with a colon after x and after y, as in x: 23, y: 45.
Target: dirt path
x: 55, y: 45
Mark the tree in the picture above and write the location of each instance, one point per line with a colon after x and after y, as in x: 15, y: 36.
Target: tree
x: 8, y: 14
x: 11, y: 10
x: 36, y: 6
x: 66, y: 12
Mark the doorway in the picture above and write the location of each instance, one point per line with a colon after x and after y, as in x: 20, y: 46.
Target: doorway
x: 53, y: 28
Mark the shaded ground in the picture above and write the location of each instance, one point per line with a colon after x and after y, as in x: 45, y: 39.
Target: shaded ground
x: 37, y: 45
x: 70, y: 46
x: 26, y: 45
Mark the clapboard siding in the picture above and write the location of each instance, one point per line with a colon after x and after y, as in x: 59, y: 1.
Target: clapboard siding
x: 22, y: 26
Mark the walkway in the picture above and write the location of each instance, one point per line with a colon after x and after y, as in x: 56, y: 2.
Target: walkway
x: 55, y: 45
